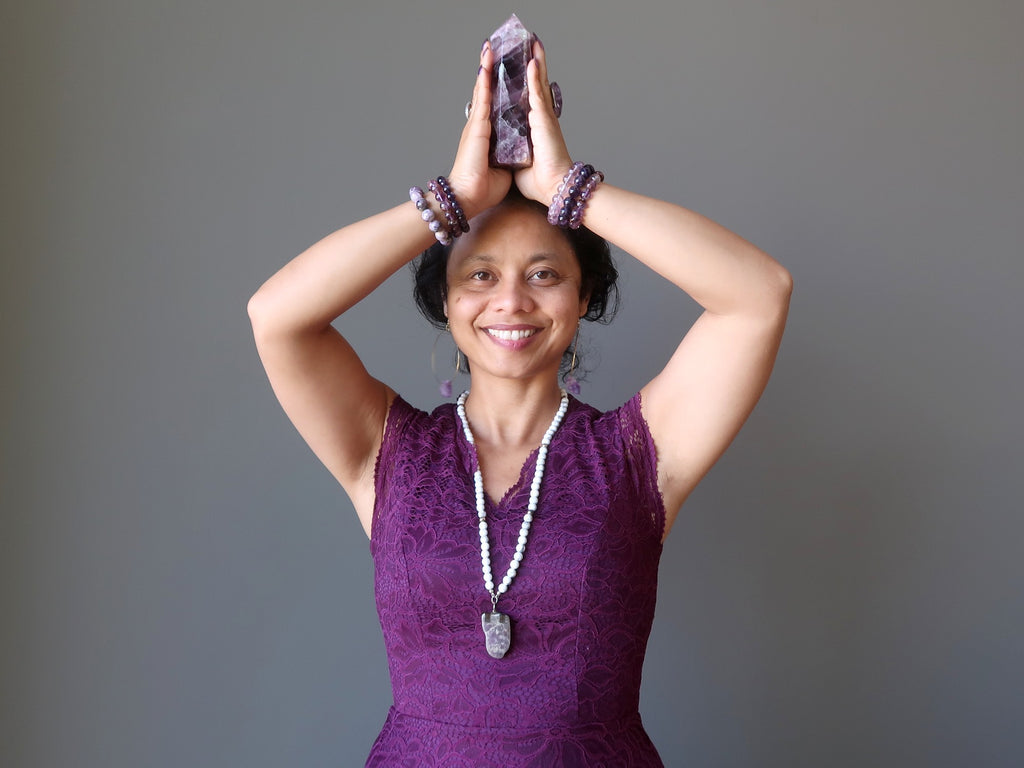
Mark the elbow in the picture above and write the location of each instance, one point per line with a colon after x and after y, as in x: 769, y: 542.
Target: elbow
x: 274, y: 317
x: 776, y: 292
x: 777, y: 279
x: 260, y: 315
x: 254, y: 308
x: 785, y: 283
x: 784, y: 292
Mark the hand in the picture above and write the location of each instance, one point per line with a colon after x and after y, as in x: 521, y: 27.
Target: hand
x: 551, y: 159
x: 477, y: 185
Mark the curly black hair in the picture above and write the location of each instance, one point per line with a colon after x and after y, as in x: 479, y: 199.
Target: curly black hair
x: 599, y: 275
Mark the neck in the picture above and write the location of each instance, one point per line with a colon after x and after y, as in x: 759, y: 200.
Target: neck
x: 505, y: 413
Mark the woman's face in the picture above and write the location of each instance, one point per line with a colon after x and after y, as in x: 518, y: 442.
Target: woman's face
x: 513, y: 294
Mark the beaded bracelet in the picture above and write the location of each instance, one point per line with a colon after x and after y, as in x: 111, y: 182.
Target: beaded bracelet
x: 556, y: 202
x: 443, y: 235
x: 568, y: 191
x: 571, y: 202
x: 443, y: 203
x: 457, y: 222
x: 576, y: 219
x: 456, y: 206
x: 572, y: 196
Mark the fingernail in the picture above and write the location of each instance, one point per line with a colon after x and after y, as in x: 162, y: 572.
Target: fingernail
x: 481, y: 69
x: 484, y: 46
x: 541, y: 44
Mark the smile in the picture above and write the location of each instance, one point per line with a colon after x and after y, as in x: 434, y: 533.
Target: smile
x: 511, y: 335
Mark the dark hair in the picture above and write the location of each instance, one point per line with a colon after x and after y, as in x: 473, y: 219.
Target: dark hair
x: 599, y: 275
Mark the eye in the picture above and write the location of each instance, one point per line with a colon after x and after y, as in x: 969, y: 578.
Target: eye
x: 480, y: 274
x: 544, y: 275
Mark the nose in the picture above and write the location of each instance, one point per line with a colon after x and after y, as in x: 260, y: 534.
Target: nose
x: 513, y: 296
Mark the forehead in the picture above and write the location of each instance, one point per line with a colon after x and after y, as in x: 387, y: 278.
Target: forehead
x: 511, y: 232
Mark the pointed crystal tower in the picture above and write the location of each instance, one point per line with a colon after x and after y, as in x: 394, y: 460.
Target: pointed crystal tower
x: 510, y: 104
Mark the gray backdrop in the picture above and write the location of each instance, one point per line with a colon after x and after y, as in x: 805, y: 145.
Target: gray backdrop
x: 184, y: 585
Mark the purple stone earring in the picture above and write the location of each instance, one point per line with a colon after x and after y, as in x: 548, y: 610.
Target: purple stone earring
x: 444, y: 385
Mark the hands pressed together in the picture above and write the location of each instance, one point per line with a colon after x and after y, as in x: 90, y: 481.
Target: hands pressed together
x: 478, y: 185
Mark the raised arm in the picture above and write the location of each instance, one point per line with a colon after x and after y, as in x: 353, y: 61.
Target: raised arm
x: 336, y: 405
x: 696, y: 405
x: 699, y: 401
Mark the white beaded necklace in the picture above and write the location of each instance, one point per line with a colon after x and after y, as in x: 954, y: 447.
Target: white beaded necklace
x: 497, y: 627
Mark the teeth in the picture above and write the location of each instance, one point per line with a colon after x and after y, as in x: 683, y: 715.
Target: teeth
x: 510, y: 335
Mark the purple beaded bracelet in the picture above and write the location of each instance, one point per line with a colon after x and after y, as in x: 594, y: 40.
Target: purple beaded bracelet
x: 445, y: 206
x: 443, y: 235
x: 586, y: 190
x: 456, y: 206
x: 555, y: 209
x: 457, y: 222
x: 573, y: 194
x: 571, y: 202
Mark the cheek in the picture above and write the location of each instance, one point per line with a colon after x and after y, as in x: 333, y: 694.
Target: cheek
x: 461, y: 307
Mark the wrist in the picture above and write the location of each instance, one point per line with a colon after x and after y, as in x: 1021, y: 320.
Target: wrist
x: 462, y: 190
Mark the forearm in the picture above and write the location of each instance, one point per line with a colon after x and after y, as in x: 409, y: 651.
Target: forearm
x: 336, y: 273
x: 719, y: 269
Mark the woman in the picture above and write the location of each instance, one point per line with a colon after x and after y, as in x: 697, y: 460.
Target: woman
x: 550, y: 673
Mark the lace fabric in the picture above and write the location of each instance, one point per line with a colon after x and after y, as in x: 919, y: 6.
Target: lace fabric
x: 582, y: 604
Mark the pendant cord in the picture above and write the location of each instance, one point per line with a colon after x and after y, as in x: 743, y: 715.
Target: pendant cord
x: 481, y: 509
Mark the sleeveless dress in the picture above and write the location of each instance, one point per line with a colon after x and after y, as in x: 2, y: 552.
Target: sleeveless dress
x: 566, y: 695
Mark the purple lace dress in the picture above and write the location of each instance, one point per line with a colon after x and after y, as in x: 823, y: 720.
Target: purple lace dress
x: 566, y: 694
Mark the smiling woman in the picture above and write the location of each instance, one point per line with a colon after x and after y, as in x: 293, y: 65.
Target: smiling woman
x: 514, y: 295
x: 519, y: 504
x: 598, y: 272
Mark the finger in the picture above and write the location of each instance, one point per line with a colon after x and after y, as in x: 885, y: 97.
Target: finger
x: 478, y: 124
x: 548, y: 140
x: 474, y: 144
x: 482, y: 90
x: 541, y: 57
x: 481, y: 86
x: 540, y: 91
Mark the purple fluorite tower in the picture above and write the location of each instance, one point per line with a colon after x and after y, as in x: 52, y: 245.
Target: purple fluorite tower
x: 510, y: 129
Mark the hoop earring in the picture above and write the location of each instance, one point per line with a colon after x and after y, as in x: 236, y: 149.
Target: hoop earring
x: 572, y: 385
x: 444, y: 385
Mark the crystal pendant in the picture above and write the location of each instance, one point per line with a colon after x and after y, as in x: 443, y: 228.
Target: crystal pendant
x: 510, y: 100
x: 497, y: 633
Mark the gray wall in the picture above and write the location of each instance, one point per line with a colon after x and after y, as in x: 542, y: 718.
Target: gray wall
x: 183, y: 585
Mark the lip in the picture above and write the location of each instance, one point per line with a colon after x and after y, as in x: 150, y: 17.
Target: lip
x: 512, y: 344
